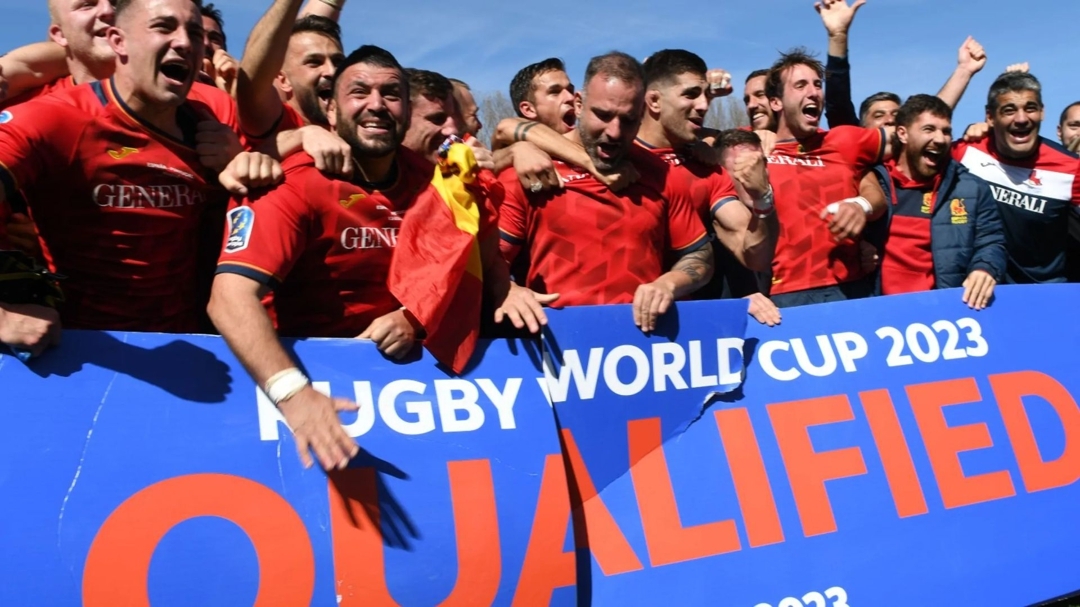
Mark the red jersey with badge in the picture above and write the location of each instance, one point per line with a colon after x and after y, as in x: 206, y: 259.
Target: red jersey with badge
x: 806, y: 177
x: 60, y: 84
x: 907, y: 264
x: 710, y: 187
x: 116, y: 201
x: 324, y: 245
x: 594, y: 246
x: 1035, y: 197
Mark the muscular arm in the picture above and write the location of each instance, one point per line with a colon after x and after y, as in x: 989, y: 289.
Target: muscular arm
x: 751, y: 239
x: 693, y: 271
x: 32, y: 66
x: 237, y: 311
x: 512, y: 130
x: 258, y: 102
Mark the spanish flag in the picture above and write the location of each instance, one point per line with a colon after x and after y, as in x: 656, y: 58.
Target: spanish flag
x: 437, y: 272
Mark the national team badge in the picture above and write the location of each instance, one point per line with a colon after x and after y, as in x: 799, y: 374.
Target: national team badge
x: 6, y: 116
x: 959, y: 211
x: 241, y: 220
x: 1033, y: 179
x: 927, y: 204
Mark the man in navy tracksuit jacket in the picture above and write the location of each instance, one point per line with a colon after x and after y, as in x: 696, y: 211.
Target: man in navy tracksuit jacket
x: 944, y: 229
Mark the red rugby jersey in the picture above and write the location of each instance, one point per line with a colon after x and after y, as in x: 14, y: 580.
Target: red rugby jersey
x: 1035, y: 197
x: 323, y: 245
x: 289, y: 120
x: 806, y: 177
x: 60, y: 84
x: 710, y: 187
x: 116, y: 201
x: 594, y: 246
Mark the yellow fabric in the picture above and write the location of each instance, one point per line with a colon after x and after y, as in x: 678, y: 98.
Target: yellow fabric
x: 451, y: 176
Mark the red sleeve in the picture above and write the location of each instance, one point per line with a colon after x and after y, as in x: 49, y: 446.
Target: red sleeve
x: 861, y: 147
x: 290, y: 120
x: 265, y: 235
x: 721, y: 191
x: 686, y: 233
x: 38, y: 139
x: 513, y: 215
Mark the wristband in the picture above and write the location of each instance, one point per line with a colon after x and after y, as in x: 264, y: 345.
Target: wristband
x: 863, y: 203
x: 766, y: 205
x: 285, y: 385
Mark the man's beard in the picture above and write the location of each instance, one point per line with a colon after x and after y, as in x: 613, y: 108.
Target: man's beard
x: 311, y: 107
x: 592, y: 147
x: 347, y: 129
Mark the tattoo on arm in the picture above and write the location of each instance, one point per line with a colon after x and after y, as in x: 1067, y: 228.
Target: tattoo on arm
x: 697, y: 265
x: 523, y: 127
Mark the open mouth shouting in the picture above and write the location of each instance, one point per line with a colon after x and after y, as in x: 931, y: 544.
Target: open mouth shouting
x: 569, y: 118
x: 812, y: 112
x: 1021, y: 135
x: 177, y: 72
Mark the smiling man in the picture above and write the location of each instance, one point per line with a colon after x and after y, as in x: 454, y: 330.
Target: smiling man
x: 1035, y: 181
x: 323, y: 244
x: 113, y: 178
x: 944, y: 227
x: 810, y: 170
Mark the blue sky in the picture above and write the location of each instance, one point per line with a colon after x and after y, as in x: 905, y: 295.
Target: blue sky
x: 905, y: 46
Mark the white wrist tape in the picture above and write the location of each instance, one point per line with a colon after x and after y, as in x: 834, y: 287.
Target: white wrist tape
x: 863, y: 203
x: 285, y: 385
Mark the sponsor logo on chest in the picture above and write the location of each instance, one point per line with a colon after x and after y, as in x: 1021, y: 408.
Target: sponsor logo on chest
x: 802, y: 161
x: 126, y: 196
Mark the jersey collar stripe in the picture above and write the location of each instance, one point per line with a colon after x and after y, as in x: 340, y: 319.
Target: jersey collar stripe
x: 99, y: 90
x: 508, y: 237
x: 131, y: 115
x: 881, y: 147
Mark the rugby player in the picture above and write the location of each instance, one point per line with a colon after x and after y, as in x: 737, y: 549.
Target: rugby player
x: 323, y: 245
x: 1069, y: 128
x: 468, y: 111
x: 944, y: 227
x: 817, y: 254
x: 592, y: 245
x: 112, y: 176
x: 287, y: 68
x: 219, y: 67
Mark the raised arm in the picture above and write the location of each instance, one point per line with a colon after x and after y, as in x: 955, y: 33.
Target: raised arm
x: 970, y: 61
x: 837, y: 16
x: 258, y: 101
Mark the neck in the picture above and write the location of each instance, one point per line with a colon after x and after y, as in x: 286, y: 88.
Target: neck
x: 82, y: 73
x: 160, y: 115
x: 374, y: 170
x: 783, y: 131
x: 653, y: 133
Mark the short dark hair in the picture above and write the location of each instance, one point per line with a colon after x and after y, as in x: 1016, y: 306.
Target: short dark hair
x: 617, y: 65
x: 318, y: 25
x: 917, y: 105
x: 667, y: 65
x: 209, y: 10
x: 774, y: 84
x: 864, y: 109
x: 123, y: 5
x: 521, y: 87
x: 756, y: 74
x: 733, y: 137
x: 1065, y: 112
x: 432, y: 85
x: 1012, y: 82
x: 368, y: 54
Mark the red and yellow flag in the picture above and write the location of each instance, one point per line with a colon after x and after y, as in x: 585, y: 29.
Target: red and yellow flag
x: 437, y: 271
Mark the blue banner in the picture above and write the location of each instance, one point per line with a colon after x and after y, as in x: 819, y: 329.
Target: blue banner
x: 895, y: 451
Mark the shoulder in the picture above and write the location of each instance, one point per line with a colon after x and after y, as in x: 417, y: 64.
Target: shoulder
x: 217, y: 101
x: 1056, y: 157
x: 68, y: 109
